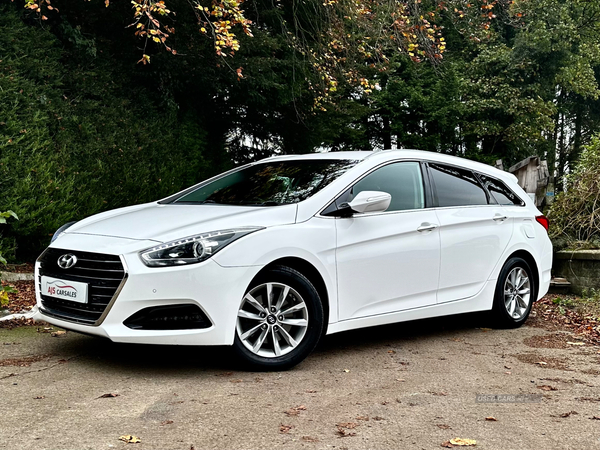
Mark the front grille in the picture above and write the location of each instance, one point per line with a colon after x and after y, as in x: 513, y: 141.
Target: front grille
x: 103, y: 274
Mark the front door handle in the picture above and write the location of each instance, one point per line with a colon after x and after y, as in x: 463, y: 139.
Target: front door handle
x: 500, y: 218
x: 426, y: 226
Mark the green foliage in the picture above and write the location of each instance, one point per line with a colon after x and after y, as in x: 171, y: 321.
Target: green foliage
x: 5, y: 290
x: 575, y: 214
x: 83, y: 129
x: 3, y: 216
x: 78, y: 137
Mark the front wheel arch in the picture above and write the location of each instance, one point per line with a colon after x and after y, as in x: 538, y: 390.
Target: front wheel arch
x: 309, y: 271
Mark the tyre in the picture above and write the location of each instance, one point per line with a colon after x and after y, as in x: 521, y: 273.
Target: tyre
x: 515, y: 294
x: 279, y: 320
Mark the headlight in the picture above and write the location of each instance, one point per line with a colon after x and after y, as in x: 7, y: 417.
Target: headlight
x: 61, y: 230
x: 192, y: 249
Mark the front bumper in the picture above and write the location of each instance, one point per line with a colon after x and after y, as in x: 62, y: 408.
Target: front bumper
x: 217, y: 290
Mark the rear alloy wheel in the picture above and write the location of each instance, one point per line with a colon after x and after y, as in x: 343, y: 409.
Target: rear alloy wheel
x: 279, y: 321
x: 515, y: 293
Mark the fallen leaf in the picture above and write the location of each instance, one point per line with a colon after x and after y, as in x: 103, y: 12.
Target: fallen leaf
x: 542, y: 363
x: 508, y: 373
x: 545, y: 387
x: 567, y: 414
x: 365, y: 418
x: 346, y: 370
x: 347, y: 425
x: 575, y: 343
x: 130, y: 439
x: 167, y: 422
x: 443, y: 426
x: 285, y: 429
x: 491, y: 419
x: 507, y: 367
x: 309, y: 439
x: 391, y: 351
x: 40, y: 397
x: 311, y: 392
x: 400, y: 379
x: 463, y: 442
x: 447, y: 444
x: 58, y: 333
x: 344, y: 432
x: 110, y: 395
x: 235, y: 381
x: 378, y: 418
x: 595, y: 418
x: 295, y: 410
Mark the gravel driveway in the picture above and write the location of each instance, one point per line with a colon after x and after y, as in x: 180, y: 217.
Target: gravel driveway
x: 406, y: 386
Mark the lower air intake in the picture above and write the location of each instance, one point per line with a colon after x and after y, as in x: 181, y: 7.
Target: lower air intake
x: 171, y: 317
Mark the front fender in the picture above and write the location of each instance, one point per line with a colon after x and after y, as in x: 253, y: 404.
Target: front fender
x: 313, y: 241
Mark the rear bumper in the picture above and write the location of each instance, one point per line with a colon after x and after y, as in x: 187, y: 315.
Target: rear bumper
x: 545, y: 269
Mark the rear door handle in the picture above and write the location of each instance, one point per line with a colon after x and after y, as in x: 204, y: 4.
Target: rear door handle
x: 426, y: 226
x: 500, y: 217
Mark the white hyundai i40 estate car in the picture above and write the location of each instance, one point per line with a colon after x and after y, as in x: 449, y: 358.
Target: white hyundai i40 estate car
x: 270, y: 256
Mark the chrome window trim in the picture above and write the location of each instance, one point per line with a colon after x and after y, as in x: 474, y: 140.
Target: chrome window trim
x: 433, y: 208
x: 430, y: 208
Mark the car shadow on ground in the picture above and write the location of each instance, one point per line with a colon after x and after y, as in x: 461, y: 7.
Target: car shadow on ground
x: 182, y: 360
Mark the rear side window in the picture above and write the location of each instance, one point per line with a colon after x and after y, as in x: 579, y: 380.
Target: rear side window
x: 456, y: 187
x: 403, y: 181
x: 499, y: 191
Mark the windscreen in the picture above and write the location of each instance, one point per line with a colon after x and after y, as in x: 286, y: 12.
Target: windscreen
x: 269, y: 184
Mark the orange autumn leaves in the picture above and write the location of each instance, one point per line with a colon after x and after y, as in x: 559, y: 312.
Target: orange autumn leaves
x: 352, y: 40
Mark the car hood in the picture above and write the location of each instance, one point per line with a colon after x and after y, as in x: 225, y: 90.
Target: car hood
x: 167, y: 222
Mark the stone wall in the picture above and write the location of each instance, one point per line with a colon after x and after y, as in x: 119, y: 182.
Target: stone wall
x: 580, y: 267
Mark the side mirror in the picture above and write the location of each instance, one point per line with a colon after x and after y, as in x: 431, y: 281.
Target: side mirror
x: 370, y: 201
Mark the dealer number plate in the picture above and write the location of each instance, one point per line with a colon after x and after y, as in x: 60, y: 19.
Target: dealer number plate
x: 73, y: 291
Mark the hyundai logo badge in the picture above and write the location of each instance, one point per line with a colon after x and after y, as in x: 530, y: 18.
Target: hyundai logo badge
x: 67, y: 261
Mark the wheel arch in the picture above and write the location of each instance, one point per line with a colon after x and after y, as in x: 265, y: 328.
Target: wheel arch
x: 310, y: 272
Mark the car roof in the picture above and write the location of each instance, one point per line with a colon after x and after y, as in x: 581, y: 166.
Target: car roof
x: 352, y: 155
x: 385, y: 155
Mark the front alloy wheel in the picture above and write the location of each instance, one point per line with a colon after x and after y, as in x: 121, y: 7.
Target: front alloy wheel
x: 272, y: 320
x: 279, y: 321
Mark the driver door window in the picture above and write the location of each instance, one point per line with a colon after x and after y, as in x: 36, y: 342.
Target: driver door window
x: 403, y: 181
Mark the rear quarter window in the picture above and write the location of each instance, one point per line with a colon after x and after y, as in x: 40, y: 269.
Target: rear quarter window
x: 500, y: 192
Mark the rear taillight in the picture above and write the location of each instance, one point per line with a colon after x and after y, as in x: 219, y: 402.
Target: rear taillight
x: 543, y: 221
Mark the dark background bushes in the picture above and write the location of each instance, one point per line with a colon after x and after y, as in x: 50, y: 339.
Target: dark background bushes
x: 78, y: 137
